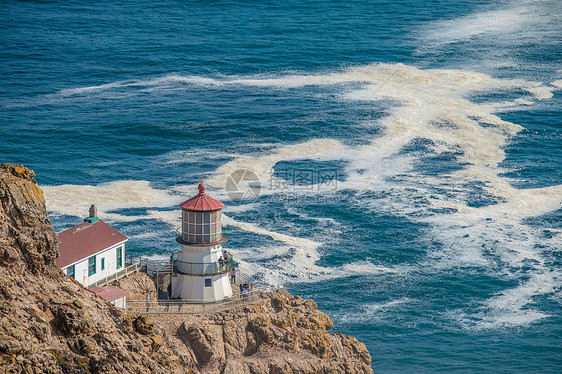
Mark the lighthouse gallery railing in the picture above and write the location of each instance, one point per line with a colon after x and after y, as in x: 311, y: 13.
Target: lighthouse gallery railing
x: 202, y: 268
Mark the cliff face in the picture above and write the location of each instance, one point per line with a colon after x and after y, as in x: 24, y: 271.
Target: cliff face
x: 51, y: 324
x: 280, y: 333
x: 27, y: 239
x: 48, y: 323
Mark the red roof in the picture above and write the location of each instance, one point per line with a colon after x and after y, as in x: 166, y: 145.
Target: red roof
x: 201, y: 202
x: 108, y: 294
x: 85, y: 240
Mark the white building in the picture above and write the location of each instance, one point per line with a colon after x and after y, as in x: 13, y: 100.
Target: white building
x: 201, y: 270
x: 91, y: 251
x: 112, y: 295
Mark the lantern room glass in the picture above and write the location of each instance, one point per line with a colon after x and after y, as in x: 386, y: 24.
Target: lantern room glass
x: 201, y: 227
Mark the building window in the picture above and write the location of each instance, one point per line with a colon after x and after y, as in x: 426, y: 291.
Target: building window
x: 70, y: 272
x: 119, y: 257
x: 208, y: 282
x: 202, y: 227
x: 103, y: 263
x: 92, y: 265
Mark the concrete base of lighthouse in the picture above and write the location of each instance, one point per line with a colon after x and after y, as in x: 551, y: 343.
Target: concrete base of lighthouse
x: 201, y: 288
x: 198, y: 277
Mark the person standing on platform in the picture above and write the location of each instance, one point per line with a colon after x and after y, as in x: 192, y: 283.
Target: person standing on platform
x: 233, y: 275
x: 167, y: 303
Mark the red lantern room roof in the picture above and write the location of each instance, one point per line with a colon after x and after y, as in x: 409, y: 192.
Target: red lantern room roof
x: 201, y: 202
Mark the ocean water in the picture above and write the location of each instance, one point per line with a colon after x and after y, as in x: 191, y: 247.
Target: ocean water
x: 399, y: 162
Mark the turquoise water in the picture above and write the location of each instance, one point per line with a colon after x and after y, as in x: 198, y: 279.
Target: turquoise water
x: 407, y: 153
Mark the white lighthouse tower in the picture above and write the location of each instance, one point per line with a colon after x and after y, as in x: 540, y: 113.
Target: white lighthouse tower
x: 201, y: 267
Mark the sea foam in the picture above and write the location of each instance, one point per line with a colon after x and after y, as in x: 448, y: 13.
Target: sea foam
x: 74, y: 200
x: 429, y: 104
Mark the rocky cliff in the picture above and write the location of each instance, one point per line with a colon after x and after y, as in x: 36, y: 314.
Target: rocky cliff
x: 51, y: 324
x: 279, y: 333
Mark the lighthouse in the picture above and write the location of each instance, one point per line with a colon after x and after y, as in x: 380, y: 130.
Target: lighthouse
x: 201, y: 267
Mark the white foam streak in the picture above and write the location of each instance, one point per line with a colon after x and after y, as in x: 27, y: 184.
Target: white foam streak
x: 511, y: 307
x: 517, y: 19
x: 160, y: 82
x: 295, y: 261
x: 75, y: 200
x: 306, y: 245
x: 557, y: 83
x: 262, y: 166
x: 370, y: 312
x: 501, y: 21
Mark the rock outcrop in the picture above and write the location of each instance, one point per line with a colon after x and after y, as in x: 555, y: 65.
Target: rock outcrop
x: 279, y: 333
x: 48, y: 322
x: 138, y: 285
x: 27, y: 239
x: 51, y: 324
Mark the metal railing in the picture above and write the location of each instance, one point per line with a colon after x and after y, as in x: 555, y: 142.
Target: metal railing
x: 192, y: 306
x: 158, y: 267
x: 129, y: 270
x: 150, y: 266
x: 202, y: 268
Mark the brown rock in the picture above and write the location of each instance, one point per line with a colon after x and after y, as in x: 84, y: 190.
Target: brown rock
x: 234, y: 336
x: 236, y: 367
x: 25, y: 229
x: 291, y: 339
x: 156, y: 343
x: 71, y: 321
x: 138, y: 285
x: 84, y: 345
x: 277, y: 302
x: 134, y: 345
x: 40, y: 330
x: 144, y: 325
x: 14, y: 340
x: 205, y: 340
